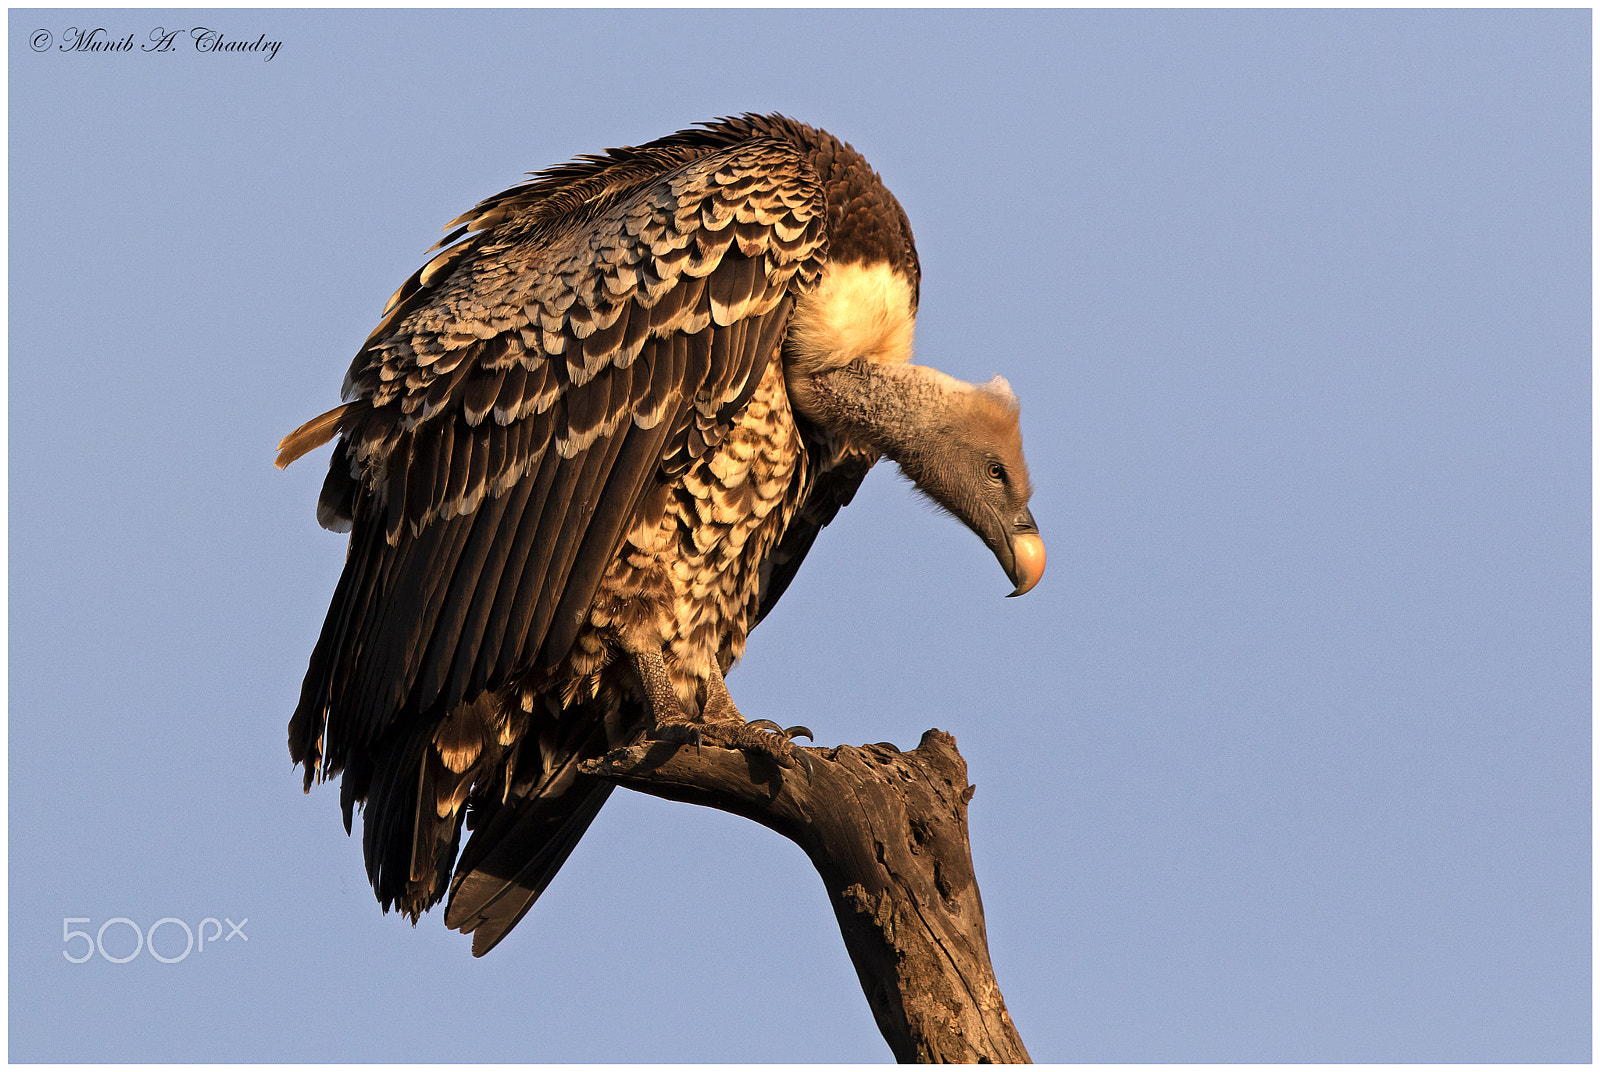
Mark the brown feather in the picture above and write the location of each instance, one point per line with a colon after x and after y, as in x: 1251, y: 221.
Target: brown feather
x: 310, y: 435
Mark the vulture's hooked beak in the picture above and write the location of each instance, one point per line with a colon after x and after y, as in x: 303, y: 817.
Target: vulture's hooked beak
x: 1022, y: 555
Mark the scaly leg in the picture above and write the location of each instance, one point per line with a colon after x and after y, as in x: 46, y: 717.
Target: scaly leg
x: 672, y: 722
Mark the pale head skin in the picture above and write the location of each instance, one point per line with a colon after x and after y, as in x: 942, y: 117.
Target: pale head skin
x: 959, y: 443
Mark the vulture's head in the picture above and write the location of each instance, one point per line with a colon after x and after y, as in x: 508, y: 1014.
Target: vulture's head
x: 970, y: 462
x: 960, y: 443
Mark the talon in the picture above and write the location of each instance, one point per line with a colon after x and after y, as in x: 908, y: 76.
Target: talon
x: 798, y: 731
x: 765, y: 724
x: 678, y: 733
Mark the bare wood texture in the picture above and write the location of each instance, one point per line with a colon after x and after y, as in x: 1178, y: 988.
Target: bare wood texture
x: 887, y: 831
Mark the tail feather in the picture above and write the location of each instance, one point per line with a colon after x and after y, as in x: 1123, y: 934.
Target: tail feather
x: 425, y: 778
x: 492, y: 897
x: 310, y: 435
x: 409, y: 848
x: 518, y: 846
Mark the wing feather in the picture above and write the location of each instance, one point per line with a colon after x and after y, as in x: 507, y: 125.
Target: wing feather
x: 564, y: 531
x: 512, y: 613
x: 477, y: 570
x: 481, y: 393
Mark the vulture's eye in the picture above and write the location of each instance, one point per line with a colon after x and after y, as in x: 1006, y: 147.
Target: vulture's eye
x: 997, y: 472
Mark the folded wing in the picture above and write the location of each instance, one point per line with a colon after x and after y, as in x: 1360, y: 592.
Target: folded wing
x: 579, y: 341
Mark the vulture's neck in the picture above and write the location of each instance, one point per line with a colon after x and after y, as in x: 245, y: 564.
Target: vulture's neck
x: 903, y: 410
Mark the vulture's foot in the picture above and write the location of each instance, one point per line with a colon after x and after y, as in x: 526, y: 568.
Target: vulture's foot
x: 722, y: 720
x: 776, y: 744
x: 790, y: 732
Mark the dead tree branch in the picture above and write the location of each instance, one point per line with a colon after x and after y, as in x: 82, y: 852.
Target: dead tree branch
x: 887, y: 831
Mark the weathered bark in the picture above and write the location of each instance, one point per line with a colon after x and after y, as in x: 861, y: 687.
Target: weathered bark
x: 887, y: 831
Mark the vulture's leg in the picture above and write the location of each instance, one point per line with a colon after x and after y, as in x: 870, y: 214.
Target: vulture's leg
x: 719, y: 706
x: 672, y: 722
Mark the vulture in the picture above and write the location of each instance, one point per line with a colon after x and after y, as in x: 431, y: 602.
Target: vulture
x: 580, y: 457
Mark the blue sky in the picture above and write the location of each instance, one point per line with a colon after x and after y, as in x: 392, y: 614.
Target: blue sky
x: 1288, y: 757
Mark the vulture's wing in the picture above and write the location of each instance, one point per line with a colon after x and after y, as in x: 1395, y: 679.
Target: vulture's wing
x: 595, y: 330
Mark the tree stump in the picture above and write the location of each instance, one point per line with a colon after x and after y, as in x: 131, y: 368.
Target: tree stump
x: 887, y: 831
